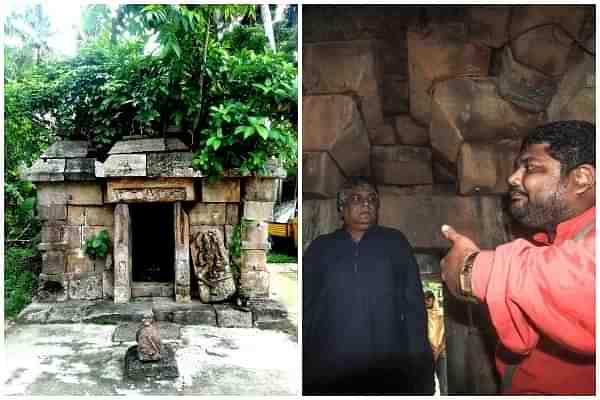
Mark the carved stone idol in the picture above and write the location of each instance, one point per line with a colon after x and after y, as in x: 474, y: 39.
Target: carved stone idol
x: 211, y: 265
x: 148, y: 338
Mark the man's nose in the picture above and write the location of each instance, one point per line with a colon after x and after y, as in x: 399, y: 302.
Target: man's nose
x: 516, y: 178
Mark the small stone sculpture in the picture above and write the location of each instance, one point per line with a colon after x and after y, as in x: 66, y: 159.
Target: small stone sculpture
x: 148, y: 338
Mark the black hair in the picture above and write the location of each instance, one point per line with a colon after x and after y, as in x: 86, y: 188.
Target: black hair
x: 572, y: 143
x: 429, y: 295
x: 350, y: 184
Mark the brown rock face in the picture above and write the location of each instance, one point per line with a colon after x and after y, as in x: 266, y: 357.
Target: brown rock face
x: 485, y: 167
x: 488, y: 25
x: 321, y: 177
x: 334, y: 124
x: 438, y: 53
x: 420, y: 216
x: 346, y: 68
x: 576, y: 96
x: 402, y: 165
x: 468, y: 110
x: 409, y: 132
x: 544, y: 48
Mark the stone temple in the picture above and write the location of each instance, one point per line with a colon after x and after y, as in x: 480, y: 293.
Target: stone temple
x: 171, y: 229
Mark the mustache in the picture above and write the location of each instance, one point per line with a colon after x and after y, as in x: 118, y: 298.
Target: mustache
x: 516, y: 190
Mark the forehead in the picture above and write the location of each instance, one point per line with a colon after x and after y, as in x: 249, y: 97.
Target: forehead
x: 362, y: 189
x: 538, y: 152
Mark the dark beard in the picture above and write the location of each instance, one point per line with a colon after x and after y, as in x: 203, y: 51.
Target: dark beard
x: 543, y: 215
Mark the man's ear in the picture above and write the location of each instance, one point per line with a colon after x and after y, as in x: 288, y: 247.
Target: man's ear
x: 584, y: 178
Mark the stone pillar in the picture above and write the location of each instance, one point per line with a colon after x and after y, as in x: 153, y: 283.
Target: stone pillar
x: 259, y: 200
x: 182, y: 254
x: 123, y: 254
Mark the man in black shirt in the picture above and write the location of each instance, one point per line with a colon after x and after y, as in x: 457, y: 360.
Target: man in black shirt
x: 364, y: 319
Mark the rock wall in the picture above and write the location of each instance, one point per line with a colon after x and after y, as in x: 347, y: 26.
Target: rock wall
x: 432, y: 103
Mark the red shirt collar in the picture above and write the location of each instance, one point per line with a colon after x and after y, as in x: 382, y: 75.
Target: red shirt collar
x: 568, y: 228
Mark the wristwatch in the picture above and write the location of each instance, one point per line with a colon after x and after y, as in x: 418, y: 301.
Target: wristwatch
x: 464, y: 278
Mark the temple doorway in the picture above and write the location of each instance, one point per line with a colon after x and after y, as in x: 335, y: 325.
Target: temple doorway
x: 153, y: 249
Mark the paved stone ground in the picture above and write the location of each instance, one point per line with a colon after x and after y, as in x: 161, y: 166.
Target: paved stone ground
x: 85, y: 359
x: 82, y: 359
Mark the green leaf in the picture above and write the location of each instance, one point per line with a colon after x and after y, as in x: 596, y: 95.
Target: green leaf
x: 248, y: 131
x: 262, y: 131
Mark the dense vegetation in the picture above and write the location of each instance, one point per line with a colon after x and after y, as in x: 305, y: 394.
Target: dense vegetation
x: 205, y: 74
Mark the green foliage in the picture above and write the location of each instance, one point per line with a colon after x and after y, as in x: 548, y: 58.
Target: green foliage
x: 235, y: 249
x: 97, y: 245
x: 280, y: 258
x: 19, y: 280
x: 256, y: 113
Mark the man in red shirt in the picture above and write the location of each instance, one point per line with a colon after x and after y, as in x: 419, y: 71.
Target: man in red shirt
x: 541, y: 294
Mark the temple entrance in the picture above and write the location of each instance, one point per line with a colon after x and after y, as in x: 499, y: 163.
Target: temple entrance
x: 153, y: 249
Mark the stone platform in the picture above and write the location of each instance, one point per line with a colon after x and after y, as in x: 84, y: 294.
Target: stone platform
x: 164, y: 309
x: 165, y: 368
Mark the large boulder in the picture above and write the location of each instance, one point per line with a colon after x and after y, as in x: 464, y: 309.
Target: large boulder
x: 576, y: 96
x: 469, y: 110
x: 439, y: 52
x: 402, y: 165
x: 420, y: 216
x: 333, y: 124
x: 483, y: 168
x: 321, y: 177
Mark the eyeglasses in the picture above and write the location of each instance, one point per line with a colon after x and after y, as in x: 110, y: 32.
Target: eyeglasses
x: 356, y: 199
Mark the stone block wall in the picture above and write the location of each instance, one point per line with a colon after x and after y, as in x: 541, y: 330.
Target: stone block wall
x: 73, y: 211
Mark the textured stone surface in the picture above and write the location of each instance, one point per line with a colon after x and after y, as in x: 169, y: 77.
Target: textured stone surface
x: 472, y: 110
x: 85, y: 286
x: 118, y: 165
x: 441, y: 52
x: 84, y: 193
x: 485, y: 167
x: 321, y: 177
x: 165, y: 368
x: 182, y: 254
x: 254, y: 260
x: 122, y: 254
x: 52, y: 233
x: 77, y: 262
x: 409, y: 132
x: 318, y: 217
x: 221, y: 191
x: 576, y: 96
x: 544, y: 48
x: 178, y: 164
x: 152, y: 289
x: 126, y: 332
x: 395, y: 93
x: 211, y: 265
x: 147, y: 145
x: 334, y: 124
x: 255, y: 235
x: 67, y: 149
x: 526, y: 87
x: 488, y: 25
x: 260, y: 189
x: 207, y: 214
x: 80, y: 169
x: 254, y: 284
x: 232, y: 212
x: 194, y: 313
x: 267, y: 310
x: 45, y: 170
x: 228, y: 317
x: 258, y: 210
x: 150, y: 190
x: 401, y: 165
x: 54, y: 212
x: 53, y: 262
x: 420, y: 216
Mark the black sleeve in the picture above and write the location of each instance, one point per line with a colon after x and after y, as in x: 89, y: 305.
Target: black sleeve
x: 311, y: 261
x: 421, y: 355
